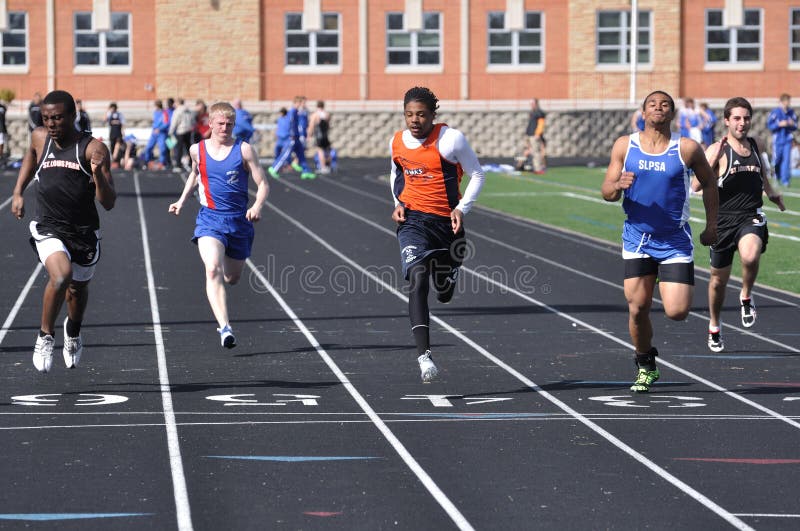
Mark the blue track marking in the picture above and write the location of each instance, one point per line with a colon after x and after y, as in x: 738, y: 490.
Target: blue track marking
x: 293, y: 458
x: 42, y: 517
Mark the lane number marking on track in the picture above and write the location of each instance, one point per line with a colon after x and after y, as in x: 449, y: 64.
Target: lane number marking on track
x: 243, y: 400
x: 628, y: 401
x: 446, y: 400
x: 54, y: 399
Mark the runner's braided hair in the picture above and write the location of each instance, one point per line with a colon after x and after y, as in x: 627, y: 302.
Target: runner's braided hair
x: 424, y: 96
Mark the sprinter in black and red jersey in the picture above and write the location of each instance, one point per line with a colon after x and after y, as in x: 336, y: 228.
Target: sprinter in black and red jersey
x: 428, y: 161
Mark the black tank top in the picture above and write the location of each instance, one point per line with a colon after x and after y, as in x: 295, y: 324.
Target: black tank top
x: 114, y: 125
x: 65, y: 189
x: 740, y: 187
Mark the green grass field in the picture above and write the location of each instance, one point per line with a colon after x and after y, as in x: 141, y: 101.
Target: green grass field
x: 569, y: 197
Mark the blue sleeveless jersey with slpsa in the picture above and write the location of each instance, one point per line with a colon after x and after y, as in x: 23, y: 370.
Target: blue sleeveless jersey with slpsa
x: 223, y: 183
x: 658, y: 201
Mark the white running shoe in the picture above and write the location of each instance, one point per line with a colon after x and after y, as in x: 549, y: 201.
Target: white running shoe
x: 43, y: 353
x: 715, y: 342
x: 226, y: 337
x: 748, y: 312
x: 427, y: 369
x: 73, y: 348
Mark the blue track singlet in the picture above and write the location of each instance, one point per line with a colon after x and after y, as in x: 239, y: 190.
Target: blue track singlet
x: 223, y: 183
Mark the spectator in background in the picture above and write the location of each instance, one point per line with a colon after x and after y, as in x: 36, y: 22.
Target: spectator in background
x: 534, y: 138
x: 181, y: 127
x: 202, y: 129
x: 637, y: 121
x: 295, y: 146
x: 318, y: 127
x: 794, y: 156
x: 243, y: 128
x: 782, y: 122
x: 115, y: 121
x: 129, y: 158
x: 709, y: 121
x: 282, y: 131
x: 35, y: 112
x: 82, y: 120
x: 158, y: 137
x: 690, y: 121
x: 3, y: 132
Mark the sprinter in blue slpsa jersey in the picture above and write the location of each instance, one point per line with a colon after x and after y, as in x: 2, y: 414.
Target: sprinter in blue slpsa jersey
x: 649, y: 170
x: 224, y: 231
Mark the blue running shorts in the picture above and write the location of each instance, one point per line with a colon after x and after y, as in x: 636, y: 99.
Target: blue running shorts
x: 234, y: 231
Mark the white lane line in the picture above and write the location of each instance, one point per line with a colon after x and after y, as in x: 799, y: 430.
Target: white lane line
x: 5, y: 203
x: 767, y: 515
x: 18, y: 304
x: 615, y: 285
x: 503, y: 287
x: 181, y: 495
x: 404, y: 454
x: 580, y: 239
x: 630, y: 451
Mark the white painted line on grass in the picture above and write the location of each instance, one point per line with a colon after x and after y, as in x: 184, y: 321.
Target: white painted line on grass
x: 181, y: 495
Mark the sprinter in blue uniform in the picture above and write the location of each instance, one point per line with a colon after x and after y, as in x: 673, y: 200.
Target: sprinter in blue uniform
x: 650, y: 171
x: 224, y: 231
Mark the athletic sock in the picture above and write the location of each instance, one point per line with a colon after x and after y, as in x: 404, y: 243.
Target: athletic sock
x: 73, y: 328
x: 647, y: 360
x: 422, y: 338
x: 714, y: 329
x: 42, y: 333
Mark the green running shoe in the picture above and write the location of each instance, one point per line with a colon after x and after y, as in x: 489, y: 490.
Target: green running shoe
x: 272, y: 171
x: 308, y: 175
x: 297, y: 167
x: 644, y: 380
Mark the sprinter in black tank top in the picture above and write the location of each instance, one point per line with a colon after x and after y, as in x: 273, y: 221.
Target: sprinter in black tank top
x: 72, y: 170
x: 741, y: 226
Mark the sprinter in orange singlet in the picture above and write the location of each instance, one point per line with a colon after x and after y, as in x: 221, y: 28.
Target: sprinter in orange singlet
x: 428, y: 161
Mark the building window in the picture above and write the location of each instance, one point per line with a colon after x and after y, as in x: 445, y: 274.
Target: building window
x: 15, y: 40
x: 413, y: 48
x: 794, y: 35
x: 103, y: 48
x: 733, y: 45
x: 614, y: 38
x: 519, y: 47
x: 314, y: 48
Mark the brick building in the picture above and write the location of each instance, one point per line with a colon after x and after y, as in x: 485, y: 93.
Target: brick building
x: 365, y: 51
x: 360, y: 55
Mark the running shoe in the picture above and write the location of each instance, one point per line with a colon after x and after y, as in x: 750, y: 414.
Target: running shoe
x: 272, y: 171
x: 308, y: 175
x: 226, y: 337
x: 297, y: 167
x: 445, y: 292
x: 715, y: 342
x: 427, y: 369
x: 43, y: 353
x: 748, y: 312
x: 73, y: 348
x: 644, y: 379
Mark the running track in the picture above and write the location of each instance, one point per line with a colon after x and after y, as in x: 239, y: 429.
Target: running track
x: 318, y: 419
